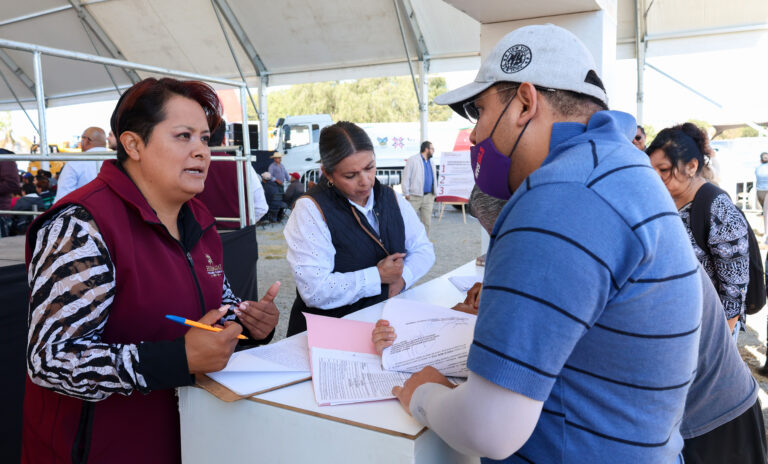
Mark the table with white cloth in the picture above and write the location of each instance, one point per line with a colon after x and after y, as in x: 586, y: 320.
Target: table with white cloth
x: 287, y: 426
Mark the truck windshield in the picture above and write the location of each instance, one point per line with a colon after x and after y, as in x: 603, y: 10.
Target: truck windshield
x: 297, y: 135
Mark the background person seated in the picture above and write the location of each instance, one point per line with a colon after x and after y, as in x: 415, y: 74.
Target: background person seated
x: 274, y: 195
x: 40, y: 200
x: 294, y: 190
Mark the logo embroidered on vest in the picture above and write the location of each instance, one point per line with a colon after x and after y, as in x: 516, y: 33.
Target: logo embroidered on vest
x: 213, y: 271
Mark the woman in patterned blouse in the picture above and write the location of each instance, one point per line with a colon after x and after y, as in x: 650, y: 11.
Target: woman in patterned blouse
x: 679, y: 155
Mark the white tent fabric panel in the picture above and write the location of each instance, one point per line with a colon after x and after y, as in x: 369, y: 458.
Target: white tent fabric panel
x: 488, y: 12
x: 446, y: 30
x: 667, y: 16
x: 311, y: 40
x: 62, y: 77
x: 175, y: 34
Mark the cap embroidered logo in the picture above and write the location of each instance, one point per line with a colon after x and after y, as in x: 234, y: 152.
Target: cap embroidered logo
x: 516, y: 58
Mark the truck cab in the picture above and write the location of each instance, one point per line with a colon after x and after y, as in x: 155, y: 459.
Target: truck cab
x: 298, y: 137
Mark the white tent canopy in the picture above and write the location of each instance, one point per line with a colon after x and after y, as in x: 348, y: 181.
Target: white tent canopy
x: 289, y: 42
x: 297, y: 41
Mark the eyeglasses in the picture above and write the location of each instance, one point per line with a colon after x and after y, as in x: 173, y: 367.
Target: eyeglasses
x: 638, y: 137
x: 470, y: 108
x: 473, y: 113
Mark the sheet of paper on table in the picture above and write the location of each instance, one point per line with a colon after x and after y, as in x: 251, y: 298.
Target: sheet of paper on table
x: 264, y: 367
x: 464, y: 283
x: 428, y: 335
x: 342, y: 377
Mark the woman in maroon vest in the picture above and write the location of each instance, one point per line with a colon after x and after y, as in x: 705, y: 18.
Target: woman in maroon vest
x: 106, y: 264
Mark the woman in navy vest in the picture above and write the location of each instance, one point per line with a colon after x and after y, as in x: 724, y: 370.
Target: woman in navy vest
x: 352, y: 242
x: 106, y: 264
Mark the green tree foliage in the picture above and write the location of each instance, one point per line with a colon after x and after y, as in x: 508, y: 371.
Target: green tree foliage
x: 384, y: 99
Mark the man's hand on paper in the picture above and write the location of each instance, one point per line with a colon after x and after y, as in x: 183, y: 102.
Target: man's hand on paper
x: 391, y: 268
x: 383, y: 335
x: 396, y: 288
x: 427, y: 375
x: 260, y: 317
x: 209, y: 351
x: 472, y: 301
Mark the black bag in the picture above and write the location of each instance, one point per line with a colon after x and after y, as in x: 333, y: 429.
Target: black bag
x: 701, y: 213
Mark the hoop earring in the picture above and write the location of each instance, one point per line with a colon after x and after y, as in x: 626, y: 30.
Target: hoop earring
x: 330, y: 183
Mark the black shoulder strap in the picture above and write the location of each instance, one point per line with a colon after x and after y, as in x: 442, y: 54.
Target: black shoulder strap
x: 701, y: 213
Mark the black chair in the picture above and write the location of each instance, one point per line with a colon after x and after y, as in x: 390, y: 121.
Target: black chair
x: 13, y: 347
x: 241, y: 251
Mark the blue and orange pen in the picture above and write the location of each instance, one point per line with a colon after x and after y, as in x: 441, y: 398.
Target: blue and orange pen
x: 198, y: 325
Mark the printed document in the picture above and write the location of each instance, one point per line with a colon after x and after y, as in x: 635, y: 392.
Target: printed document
x: 427, y: 335
x: 342, y: 377
x: 465, y: 282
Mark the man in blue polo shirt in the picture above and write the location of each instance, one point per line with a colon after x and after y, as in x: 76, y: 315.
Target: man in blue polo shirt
x: 588, y: 326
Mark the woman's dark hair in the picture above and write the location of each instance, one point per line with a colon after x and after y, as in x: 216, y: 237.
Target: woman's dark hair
x: 142, y: 107
x: 681, y: 144
x: 217, y: 135
x: 341, y: 140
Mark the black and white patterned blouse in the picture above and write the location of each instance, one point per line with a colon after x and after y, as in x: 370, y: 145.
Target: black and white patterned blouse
x: 73, y: 285
x: 727, y: 258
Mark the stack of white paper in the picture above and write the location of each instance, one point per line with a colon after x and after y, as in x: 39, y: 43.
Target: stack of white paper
x: 342, y: 377
x: 265, y: 367
x: 428, y: 335
x: 465, y: 282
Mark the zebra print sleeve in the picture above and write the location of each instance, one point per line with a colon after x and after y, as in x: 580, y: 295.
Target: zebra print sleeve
x: 73, y: 285
x: 228, y: 297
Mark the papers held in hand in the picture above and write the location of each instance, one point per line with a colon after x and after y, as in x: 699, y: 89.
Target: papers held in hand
x: 345, y: 368
x: 427, y: 335
x: 265, y: 367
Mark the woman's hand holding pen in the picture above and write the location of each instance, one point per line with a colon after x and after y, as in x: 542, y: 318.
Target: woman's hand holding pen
x: 391, y: 268
x: 210, y: 351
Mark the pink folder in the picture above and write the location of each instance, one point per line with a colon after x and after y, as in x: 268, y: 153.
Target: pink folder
x: 339, y: 334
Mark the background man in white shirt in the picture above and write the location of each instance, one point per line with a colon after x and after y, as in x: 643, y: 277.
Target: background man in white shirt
x: 419, y: 180
x: 75, y: 174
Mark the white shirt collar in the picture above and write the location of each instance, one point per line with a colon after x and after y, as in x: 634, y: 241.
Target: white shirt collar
x: 368, y: 204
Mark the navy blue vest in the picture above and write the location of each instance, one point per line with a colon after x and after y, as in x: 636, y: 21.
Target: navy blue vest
x: 357, y: 244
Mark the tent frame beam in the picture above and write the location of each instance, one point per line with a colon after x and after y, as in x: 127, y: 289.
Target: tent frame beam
x: 242, y: 37
x: 17, y: 71
x: 88, y: 20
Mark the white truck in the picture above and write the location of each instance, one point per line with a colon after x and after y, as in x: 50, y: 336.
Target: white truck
x: 298, y: 137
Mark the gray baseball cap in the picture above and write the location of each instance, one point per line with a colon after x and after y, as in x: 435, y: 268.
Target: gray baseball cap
x: 544, y: 55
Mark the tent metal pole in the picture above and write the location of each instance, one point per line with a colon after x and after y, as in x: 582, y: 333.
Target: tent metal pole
x: 640, y: 57
x: 247, y: 153
x: 40, y: 96
x: 263, y: 113
x: 13, y: 45
x: 424, y: 100
x: 407, y: 52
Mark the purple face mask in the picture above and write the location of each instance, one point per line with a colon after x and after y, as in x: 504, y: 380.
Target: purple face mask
x: 490, y: 167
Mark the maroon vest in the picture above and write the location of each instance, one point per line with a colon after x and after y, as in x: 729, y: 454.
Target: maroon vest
x: 154, y: 277
x: 220, y: 193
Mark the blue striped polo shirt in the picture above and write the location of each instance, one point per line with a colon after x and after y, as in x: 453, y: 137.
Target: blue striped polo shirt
x: 591, y: 302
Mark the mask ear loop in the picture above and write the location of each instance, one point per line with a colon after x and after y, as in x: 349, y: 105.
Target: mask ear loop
x: 502, y: 114
x: 499, y: 120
